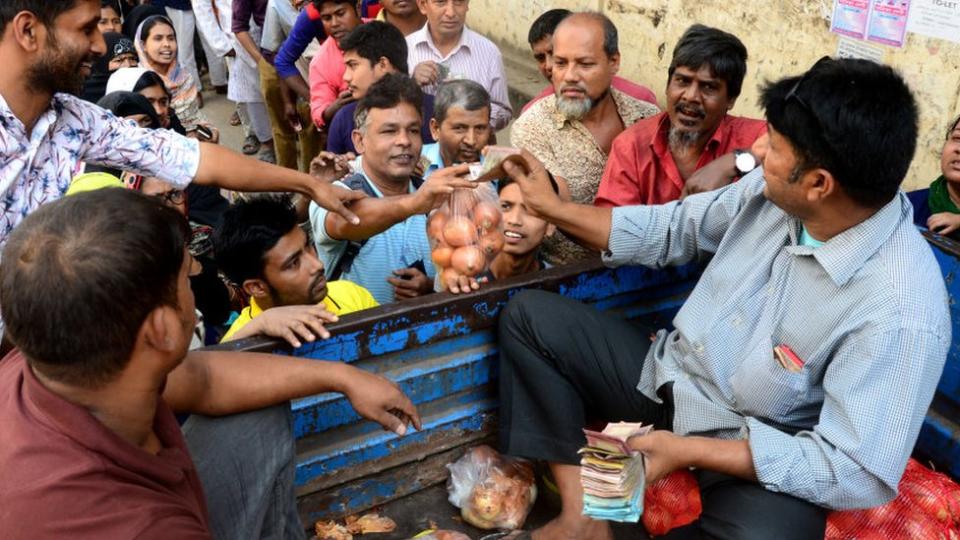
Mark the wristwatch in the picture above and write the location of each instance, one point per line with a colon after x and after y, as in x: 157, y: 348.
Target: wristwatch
x: 744, y: 161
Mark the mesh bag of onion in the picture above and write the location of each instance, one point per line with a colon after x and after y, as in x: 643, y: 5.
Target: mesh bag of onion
x: 927, y: 506
x: 674, y: 501
x: 466, y: 234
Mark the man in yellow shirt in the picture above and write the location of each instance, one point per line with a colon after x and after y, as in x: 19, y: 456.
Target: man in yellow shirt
x: 260, y: 247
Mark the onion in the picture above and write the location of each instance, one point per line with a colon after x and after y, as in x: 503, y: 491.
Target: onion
x: 467, y: 260
x: 486, y: 216
x: 492, y: 243
x: 435, y: 225
x: 460, y: 231
x: 441, y: 256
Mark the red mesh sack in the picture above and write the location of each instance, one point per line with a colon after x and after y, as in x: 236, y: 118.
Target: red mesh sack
x: 674, y: 501
x: 927, y: 507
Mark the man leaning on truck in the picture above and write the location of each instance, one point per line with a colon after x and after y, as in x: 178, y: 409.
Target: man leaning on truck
x: 801, y: 365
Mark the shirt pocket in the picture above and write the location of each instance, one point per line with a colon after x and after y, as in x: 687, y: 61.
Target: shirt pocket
x: 763, y: 388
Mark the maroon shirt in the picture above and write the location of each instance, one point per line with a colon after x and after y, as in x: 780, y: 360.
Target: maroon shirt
x: 63, y: 474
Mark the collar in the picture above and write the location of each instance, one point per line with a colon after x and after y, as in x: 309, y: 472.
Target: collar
x: 432, y: 152
x: 559, y: 121
x: 255, y: 309
x: 363, y: 171
x: 8, y: 120
x: 422, y: 36
x: 843, y: 255
x: 660, y: 141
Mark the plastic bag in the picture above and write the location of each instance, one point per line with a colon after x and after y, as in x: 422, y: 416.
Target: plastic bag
x: 491, y: 491
x: 927, y: 507
x: 441, y: 535
x: 466, y: 234
x: 674, y: 501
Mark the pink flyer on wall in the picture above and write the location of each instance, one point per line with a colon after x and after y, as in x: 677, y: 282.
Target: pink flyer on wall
x: 850, y: 18
x: 888, y: 22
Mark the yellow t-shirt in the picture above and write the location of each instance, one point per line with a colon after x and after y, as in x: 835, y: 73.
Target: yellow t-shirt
x: 343, y: 297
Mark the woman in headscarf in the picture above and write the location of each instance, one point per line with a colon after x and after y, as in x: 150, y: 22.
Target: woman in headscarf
x: 133, y: 18
x: 120, y: 54
x: 156, y: 42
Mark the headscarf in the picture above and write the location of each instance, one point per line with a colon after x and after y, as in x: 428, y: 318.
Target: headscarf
x: 939, y: 198
x: 179, y: 82
x: 137, y: 15
x: 95, y: 87
x: 123, y: 104
x: 124, y: 79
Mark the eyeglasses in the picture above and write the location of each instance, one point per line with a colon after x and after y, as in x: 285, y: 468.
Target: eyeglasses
x: 175, y: 196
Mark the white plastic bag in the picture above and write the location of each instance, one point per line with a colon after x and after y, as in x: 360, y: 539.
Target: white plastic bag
x: 492, y: 491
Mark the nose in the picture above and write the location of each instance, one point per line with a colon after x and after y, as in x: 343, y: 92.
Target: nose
x: 98, y: 46
x: 314, y: 262
x: 470, y: 139
x: 512, y: 217
x: 449, y: 12
x: 691, y: 92
x: 403, y: 138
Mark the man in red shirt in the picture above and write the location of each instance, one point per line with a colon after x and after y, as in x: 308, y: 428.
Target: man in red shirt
x: 662, y: 158
x: 102, y: 317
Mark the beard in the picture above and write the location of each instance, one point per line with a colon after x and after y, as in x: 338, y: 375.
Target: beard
x: 57, y: 70
x: 682, y: 140
x: 574, y: 109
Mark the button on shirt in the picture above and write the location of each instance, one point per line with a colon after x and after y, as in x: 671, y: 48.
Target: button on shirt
x: 641, y: 169
x: 475, y: 58
x: 398, y: 247
x: 37, y: 168
x: 866, y: 312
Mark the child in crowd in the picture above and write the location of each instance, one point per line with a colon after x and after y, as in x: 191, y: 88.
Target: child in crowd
x: 110, y: 18
x: 938, y: 208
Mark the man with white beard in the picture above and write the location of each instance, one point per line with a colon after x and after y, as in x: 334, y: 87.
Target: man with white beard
x: 695, y: 145
x: 572, y: 131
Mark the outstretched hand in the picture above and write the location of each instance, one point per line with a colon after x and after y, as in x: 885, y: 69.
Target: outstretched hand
x: 295, y: 323
x: 379, y: 399
x: 534, y: 182
x: 330, y: 167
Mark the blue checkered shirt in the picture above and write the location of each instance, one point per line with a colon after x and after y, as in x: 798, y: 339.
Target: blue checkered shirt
x: 867, y: 313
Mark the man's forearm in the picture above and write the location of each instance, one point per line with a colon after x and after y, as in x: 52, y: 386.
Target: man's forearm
x: 732, y: 457
x: 217, y: 383
x: 247, y: 43
x: 227, y: 169
x: 298, y: 85
x: 587, y: 224
x: 376, y: 216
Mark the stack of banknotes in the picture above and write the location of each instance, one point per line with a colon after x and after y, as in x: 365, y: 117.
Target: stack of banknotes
x: 612, y: 475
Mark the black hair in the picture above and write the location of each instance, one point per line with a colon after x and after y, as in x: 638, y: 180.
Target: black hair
x: 319, y: 4
x: 45, y: 10
x: 854, y: 118
x: 390, y: 91
x: 725, y: 54
x: 249, y: 230
x: 153, y: 21
x: 375, y: 40
x: 150, y: 79
x: 953, y: 126
x: 506, y: 181
x: 80, y: 276
x: 112, y: 4
x: 545, y: 24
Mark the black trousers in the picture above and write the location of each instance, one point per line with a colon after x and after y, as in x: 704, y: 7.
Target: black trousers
x: 563, y: 363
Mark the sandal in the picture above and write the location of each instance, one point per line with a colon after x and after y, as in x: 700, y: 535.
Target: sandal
x: 235, y: 119
x: 251, y: 145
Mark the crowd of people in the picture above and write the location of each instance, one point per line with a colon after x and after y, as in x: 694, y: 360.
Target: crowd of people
x: 131, y: 238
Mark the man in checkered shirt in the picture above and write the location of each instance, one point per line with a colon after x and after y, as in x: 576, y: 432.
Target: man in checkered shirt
x: 801, y: 366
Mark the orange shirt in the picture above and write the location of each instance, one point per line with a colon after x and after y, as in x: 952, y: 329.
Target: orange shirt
x: 641, y: 170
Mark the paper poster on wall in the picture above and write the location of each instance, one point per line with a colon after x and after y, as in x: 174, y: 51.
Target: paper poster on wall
x: 888, y: 22
x: 850, y: 18
x: 936, y: 18
x: 851, y: 48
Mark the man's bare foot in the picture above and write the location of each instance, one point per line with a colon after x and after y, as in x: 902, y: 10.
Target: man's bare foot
x: 579, y: 528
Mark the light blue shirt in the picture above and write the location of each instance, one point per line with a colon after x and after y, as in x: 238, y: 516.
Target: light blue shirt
x: 432, y: 152
x: 867, y: 312
x: 398, y: 247
x: 807, y: 240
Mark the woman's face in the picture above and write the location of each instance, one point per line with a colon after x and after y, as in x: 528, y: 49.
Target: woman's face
x: 123, y: 60
x: 142, y: 120
x: 161, y: 103
x: 161, y: 44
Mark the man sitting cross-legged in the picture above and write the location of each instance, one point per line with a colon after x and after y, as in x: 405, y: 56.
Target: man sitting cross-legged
x: 799, y: 370
x: 261, y: 248
x: 387, y: 252
x: 102, y: 315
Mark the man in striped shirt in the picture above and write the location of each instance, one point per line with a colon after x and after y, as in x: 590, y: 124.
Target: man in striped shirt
x: 446, y: 49
x: 801, y: 366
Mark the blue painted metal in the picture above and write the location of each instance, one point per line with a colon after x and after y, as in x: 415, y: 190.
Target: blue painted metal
x: 939, y: 439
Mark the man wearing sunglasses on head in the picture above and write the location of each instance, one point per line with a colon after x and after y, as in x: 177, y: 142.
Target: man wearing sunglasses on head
x: 802, y: 364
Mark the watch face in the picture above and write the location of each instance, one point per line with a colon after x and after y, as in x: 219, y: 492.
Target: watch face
x: 745, y: 162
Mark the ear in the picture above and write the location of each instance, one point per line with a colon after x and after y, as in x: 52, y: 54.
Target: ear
x: 819, y: 184
x: 28, y: 31
x: 434, y: 129
x: 256, y: 288
x: 385, y: 65
x: 422, y: 6
x: 551, y: 230
x: 158, y: 330
x: 615, y: 63
x: 357, y: 141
